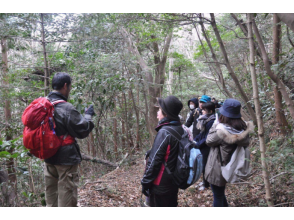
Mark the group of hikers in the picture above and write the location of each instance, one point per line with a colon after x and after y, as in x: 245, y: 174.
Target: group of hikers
x: 61, y: 169
x: 216, y: 137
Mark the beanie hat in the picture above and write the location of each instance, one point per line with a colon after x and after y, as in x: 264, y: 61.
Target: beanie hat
x: 171, y: 105
x: 205, y: 98
x: 231, y: 108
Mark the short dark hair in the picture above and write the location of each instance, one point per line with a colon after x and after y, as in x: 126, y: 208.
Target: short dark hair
x: 59, y: 79
x: 209, y: 106
x: 236, y: 123
x: 216, y: 104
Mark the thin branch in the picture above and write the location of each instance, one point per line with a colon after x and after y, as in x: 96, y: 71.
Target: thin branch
x: 278, y: 175
x: 214, y: 62
x: 286, y: 203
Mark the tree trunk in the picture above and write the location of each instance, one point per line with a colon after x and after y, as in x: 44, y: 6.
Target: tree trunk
x: 280, y: 116
x: 123, y: 130
x: 231, y: 71
x: 245, y: 32
x: 137, y: 120
x: 155, y: 86
x: 217, y: 64
x: 279, y: 83
x: 46, y: 70
x: 258, y: 114
x: 288, y: 19
x: 115, y: 130
x: 12, y: 181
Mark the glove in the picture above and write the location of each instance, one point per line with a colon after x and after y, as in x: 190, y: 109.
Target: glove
x: 145, y: 191
x: 90, y: 111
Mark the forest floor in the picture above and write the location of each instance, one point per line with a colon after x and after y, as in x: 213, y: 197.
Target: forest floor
x: 121, y: 188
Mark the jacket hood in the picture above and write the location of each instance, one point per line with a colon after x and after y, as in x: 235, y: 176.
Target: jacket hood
x: 195, y: 100
x: 234, y: 137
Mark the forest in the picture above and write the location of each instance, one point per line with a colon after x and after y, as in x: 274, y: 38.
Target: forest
x: 120, y: 63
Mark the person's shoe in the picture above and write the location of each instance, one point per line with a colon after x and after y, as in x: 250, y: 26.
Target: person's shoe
x: 201, y: 188
x: 199, y: 185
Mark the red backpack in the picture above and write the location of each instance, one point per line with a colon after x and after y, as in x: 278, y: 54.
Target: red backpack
x: 39, y: 133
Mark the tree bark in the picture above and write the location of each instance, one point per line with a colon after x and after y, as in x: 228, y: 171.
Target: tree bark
x: 231, y: 71
x: 115, y: 130
x: 245, y: 32
x: 288, y: 19
x: 280, y: 116
x: 46, y: 70
x: 258, y: 114
x: 275, y: 78
x: 12, y: 181
x: 155, y: 85
x: 137, y: 120
x: 217, y: 64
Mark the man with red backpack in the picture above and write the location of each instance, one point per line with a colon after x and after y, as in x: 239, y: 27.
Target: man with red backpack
x: 61, y: 170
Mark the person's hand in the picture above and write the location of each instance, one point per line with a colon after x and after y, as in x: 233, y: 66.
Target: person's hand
x: 145, y: 191
x: 90, y: 110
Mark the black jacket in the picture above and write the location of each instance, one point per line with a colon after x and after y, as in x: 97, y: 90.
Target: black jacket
x: 201, y: 137
x: 193, y: 120
x: 68, y: 120
x: 165, y: 148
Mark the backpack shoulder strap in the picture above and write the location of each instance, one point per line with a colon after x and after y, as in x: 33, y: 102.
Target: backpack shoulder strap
x: 173, y: 132
x: 56, y: 102
x: 196, y: 112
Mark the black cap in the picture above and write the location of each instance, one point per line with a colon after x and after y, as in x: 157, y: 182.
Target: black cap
x: 171, y: 105
x: 231, y: 108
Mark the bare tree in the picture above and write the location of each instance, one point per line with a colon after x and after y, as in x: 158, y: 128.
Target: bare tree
x: 12, y: 181
x: 46, y: 69
x: 230, y: 69
x: 280, y: 116
x: 270, y: 73
x: 258, y: 114
x: 155, y: 84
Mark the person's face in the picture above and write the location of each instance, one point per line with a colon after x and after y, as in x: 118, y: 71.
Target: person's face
x: 192, y: 105
x: 205, y: 112
x: 200, y: 104
x: 66, y: 90
x: 160, y: 116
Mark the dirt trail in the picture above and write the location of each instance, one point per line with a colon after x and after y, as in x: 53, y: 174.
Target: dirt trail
x: 122, y: 188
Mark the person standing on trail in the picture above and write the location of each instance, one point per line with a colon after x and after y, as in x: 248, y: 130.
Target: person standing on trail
x: 193, y: 105
x: 61, y: 170
x: 205, y: 121
x: 196, y: 113
x: 156, y: 182
x: 223, y: 138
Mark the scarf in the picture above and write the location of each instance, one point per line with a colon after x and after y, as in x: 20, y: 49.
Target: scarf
x: 202, y: 121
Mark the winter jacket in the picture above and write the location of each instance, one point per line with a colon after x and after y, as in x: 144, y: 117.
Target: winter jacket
x: 206, y: 122
x: 68, y: 121
x: 193, y: 120
x: 225, y: 141
x: 164, y: 149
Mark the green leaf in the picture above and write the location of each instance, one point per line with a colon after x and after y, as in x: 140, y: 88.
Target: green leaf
x: 14, y: 155
x: 25, y: 194
x: 4, y: 154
